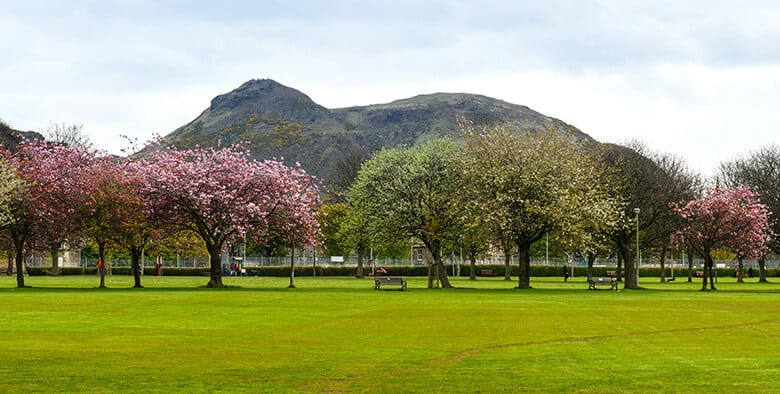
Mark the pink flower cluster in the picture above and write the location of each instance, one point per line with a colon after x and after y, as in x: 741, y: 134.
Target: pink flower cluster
x: 726, y: 218
x: 219, y: 193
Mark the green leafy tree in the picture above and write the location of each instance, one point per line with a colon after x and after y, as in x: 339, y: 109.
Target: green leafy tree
x: 413, y: 192
x: 177, y: 244
x: 475, y: 241
x: 356, y: 235
x: 332, y: 216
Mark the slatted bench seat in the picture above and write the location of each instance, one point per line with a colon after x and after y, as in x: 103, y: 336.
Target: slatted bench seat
x: 594, y: 282
x: 487, y: 273
x: 387, y: 281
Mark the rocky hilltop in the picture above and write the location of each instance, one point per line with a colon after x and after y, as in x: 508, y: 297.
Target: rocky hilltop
x: 9, y: 137
x: 281, y: 122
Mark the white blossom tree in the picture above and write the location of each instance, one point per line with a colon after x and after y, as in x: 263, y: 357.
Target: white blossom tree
x: 530, y: 185
x: 10, y: 187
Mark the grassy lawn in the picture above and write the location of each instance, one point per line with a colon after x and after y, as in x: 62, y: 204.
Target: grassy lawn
x: 338, y: 334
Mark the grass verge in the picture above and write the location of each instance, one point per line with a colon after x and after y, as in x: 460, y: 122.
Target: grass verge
x: 338, y: 334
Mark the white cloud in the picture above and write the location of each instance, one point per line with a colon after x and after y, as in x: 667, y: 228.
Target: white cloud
x: 696, y: 78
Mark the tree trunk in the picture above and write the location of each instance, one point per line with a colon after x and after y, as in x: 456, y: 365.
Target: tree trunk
x: 19, y: 241
x: 689, y: 255
x: 705, y: 274
x: 591, y: 261
x: 360, y: 256
x: 740, y: 270
x: 215, y: 265
x: 708, y: 264
x: 102, y: 261
x: 507, y: 263
x: 135, y: 255
x: 10, y: 269
x: 663, y: 264
x: 524, y: 263
x: 55, y: 261
x: 20, y: 268
x: 712, y: 276
x: 630, y: 267
x: 313, y: 263
x: 292, y: 268
x: 619, y: 267
x: 440, y: 270
x: 762, y: 270
x: 473, y: 266
x: 443, y: 278
x: 430, y: 276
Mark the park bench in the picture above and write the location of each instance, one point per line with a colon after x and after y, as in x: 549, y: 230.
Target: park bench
x: 387, y: 281
x: 611, y: 282
x: 699, y: 273
x: 487, y: 273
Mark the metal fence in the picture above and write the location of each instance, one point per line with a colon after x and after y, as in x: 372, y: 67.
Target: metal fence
x: 338, y: 261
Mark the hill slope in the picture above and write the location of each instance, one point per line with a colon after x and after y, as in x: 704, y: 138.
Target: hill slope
x: 9, y: 137
x: 281, y: 122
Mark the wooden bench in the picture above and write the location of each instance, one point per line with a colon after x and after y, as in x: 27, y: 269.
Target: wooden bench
x: 611, y: 282
x: 487, y: 273
x: 699, y: 274
x: 387, y: 281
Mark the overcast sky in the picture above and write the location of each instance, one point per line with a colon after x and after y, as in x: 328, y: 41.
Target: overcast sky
x: 700, y: 79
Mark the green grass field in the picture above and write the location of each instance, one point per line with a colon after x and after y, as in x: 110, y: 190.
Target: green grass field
x: 339, y: 335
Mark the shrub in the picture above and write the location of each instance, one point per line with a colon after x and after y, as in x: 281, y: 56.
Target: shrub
x: 417, y: 270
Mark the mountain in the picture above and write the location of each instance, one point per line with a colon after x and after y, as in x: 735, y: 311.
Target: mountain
x: 9, y: 137
x: 281, y: 122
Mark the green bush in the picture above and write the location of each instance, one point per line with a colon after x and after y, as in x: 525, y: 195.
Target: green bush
x: 38, y: 271
x: 417, y: 270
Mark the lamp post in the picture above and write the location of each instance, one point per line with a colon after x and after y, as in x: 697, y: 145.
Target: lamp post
x: 460, y: 244
x: 547, y: 248
x: 636, y: 213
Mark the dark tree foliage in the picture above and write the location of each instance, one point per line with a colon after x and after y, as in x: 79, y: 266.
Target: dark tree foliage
x: 344, y: 169
x: 761, y: 171
x: 650, y: 182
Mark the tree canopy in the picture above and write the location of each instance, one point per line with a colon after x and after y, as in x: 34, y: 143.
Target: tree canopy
x: 413, y: 192
x: 725, y: 218
x: 649, y: 181
x: 222, y: 195
x: 44, y: 211
x: 531, y: 185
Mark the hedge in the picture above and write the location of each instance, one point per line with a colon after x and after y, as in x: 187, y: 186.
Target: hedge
x: 418, y: 270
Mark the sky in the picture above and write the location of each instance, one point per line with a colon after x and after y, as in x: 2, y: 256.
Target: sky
x: 696, y: 79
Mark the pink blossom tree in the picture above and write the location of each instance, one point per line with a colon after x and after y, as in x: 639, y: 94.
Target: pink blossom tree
x: 726, y: 218
x: 222, y: 195
x: 132, y: 227
x: 114, y: 211
x: 44, y: 212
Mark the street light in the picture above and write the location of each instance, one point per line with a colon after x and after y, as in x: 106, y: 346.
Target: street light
x: 636, y: 212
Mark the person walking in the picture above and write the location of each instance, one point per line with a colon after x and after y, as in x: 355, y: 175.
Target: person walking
x: 565, y: 273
